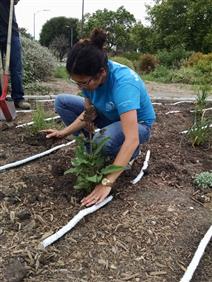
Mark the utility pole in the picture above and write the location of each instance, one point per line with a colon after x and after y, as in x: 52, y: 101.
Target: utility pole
x: 34, y: 17
x: 82, y: 21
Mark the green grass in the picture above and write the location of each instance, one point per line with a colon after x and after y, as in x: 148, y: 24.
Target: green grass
x: 61, y: 72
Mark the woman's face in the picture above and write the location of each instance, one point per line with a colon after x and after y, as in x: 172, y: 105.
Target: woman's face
x: 89, y: 82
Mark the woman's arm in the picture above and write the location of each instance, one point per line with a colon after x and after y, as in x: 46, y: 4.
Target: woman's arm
x: 130, y: 128
x: 75, y: 126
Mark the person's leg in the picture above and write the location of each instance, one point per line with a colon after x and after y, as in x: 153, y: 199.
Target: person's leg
x: 69, y: 107
x: 115, y: 133
x: 16, y: 70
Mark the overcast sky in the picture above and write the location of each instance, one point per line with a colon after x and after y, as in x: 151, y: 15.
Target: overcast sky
x: 26, y: 9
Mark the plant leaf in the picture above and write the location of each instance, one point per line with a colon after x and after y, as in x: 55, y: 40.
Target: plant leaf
x: 111, y: 168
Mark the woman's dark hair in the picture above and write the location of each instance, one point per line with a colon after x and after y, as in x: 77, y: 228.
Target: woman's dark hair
x: 87, y: 56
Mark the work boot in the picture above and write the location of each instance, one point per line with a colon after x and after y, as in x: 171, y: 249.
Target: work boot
x: 23, y: 105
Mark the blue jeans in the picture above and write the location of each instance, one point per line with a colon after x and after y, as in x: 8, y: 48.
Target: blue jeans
x: 69, y: 107
x: 15, y: 67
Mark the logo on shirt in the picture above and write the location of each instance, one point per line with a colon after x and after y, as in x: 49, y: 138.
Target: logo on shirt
x: 109, y: 106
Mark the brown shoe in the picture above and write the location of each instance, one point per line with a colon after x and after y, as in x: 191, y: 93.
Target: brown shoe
x: 23, y: 105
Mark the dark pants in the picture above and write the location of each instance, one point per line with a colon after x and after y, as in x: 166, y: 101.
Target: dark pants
x: 15, y: 67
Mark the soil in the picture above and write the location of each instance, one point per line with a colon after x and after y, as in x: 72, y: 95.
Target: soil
x: 149, y: 232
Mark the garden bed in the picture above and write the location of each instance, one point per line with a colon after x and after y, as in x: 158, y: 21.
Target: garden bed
x: 149, y: 232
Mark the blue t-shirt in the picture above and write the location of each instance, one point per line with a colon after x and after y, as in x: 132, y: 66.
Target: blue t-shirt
x: 122, y: 91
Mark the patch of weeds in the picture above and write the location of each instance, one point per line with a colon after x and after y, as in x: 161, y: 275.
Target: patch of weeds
x: 203, y: 180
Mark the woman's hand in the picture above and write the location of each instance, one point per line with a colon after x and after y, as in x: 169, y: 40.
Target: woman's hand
x: 54, y: 133
x: 99, y: 193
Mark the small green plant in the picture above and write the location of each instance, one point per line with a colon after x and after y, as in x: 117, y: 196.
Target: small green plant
x: 203, y: 180
x: 89, y: 164
x: 39, y: 122
x: 201, y: 130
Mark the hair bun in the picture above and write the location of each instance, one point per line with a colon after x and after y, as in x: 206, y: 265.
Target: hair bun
x: 98, y: 37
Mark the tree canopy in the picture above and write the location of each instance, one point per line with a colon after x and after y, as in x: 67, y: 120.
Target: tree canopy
x: 117, y: 24
x: 55, y: 27
x: 182, y: 22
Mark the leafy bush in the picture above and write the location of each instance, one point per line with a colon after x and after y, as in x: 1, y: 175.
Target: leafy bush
x: 193, y: 59
x: 198, y: 56
x: 38, y: 62
x: 172, y: 58
x: 203, y: 180
x: 147, y: 63
x: 187, y: 75
x: 161, y: 74
x: 89, y: 165
x: 132, y: 56
x: 123, y: 61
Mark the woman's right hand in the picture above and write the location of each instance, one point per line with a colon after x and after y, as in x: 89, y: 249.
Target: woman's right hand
x: 54, y: 133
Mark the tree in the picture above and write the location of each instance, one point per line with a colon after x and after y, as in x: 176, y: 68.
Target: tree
x: 58, y: 26
x: 24, y: 33
x: 59, y: 46
x: 117, y: 24
x: 141, y: 38
x: 182, y: 22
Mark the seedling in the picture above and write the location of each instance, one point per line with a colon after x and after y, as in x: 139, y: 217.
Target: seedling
x: 200, y: 131
x: 39, y: 122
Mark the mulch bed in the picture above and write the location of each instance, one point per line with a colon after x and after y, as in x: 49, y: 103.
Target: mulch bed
x: 149, y: 232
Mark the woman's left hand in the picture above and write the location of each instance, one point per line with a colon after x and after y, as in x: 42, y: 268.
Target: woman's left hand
x: 99, y: 193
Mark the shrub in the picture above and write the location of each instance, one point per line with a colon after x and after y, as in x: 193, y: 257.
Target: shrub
x: 172, y: 58
x: 147, y: 63
x: 132, y: 56
x: 186, y: 75
x: 194, y: 58
x: 123, y: 61
x: 38, y: 62
x: 161, y: 74
x: 203, y: 180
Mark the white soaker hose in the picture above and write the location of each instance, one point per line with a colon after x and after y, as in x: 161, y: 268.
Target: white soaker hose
x: 29, y: 159
x: 197, y: 256
x: 31, y: 122
x: 51, y: 239
x: 144, y: 167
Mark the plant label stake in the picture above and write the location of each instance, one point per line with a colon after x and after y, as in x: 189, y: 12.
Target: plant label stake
x: 7, y: 108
